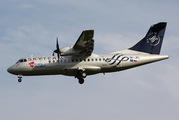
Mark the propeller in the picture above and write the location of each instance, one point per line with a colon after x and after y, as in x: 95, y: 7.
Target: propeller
x: 57, y: 50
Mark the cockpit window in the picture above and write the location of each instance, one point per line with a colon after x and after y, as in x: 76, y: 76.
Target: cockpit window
x: 25, y: 60
x: 21, y: 60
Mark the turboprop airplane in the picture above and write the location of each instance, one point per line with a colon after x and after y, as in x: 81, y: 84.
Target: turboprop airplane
x: 79, y: 61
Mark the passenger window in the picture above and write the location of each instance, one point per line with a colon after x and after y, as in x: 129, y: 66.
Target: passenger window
x: 96, y: 59
x: 72, y: 60
x: 99, y: 59
x: 91, y: 59
x: 76, y: 60
x: 84, y: 59
x: 88, y: 59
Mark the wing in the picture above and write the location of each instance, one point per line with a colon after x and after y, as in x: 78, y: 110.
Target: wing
x: 85, y: 43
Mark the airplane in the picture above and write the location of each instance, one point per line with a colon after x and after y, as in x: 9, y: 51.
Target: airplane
x: 80, y: 61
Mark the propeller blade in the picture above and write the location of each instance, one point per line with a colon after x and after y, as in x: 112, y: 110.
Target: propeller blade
x: 58, y: 50
x: 57, y: 45
x: 58, y: 56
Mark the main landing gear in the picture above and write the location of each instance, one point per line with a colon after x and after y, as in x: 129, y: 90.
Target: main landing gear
x: 19, y: 78
x: 81, y: 75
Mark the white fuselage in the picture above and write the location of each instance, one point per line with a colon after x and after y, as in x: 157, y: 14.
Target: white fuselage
x: 68, y: 65
x: 79, y: 60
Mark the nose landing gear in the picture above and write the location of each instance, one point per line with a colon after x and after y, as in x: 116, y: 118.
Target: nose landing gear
x: 19, y: 78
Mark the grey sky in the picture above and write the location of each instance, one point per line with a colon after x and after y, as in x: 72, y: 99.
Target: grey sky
x: 31, y: 27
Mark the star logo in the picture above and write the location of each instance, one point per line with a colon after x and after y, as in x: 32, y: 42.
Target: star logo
x: 153, y: 39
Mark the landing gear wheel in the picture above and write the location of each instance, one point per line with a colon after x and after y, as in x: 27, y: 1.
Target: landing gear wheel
x: 81, y: 75
x: 19, y: 80
x: 81, y: 80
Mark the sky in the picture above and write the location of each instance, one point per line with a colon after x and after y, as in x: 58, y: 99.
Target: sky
x: 31, y: 27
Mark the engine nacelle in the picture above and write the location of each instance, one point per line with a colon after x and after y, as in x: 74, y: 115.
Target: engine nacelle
x: 68, y: 51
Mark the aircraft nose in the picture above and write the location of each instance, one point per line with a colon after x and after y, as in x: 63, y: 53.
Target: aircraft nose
x: 10, y: 69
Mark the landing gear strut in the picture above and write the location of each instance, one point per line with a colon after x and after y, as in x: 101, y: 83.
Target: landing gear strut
x: 20, y: 78
x: 81, y: 75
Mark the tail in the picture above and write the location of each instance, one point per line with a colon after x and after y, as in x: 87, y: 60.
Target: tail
x: 152, y: 42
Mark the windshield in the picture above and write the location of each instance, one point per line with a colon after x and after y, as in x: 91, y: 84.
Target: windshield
x: 21, y: 60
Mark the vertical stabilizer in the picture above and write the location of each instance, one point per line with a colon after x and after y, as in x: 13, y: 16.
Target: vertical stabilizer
x: 152, y: 42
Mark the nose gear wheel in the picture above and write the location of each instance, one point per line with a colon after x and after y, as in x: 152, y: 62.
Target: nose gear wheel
x: 19, y: 78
